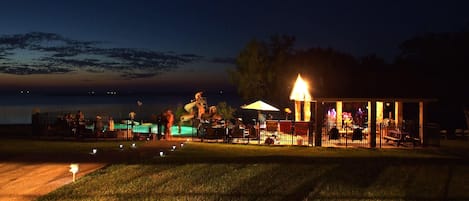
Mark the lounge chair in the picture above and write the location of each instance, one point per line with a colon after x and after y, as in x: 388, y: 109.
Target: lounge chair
x: 459, y: 133
x: 444, y: 134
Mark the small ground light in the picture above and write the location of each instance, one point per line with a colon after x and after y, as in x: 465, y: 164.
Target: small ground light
x: 148, y: 139
x: 173, y: 148
x: 74, y: 169
x: 94, y: 151
x: 161, y: 153
x: 121, y: 146
x: 133, y: 145
x: 182, y: 144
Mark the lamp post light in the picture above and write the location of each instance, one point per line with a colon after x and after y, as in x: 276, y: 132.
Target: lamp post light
x: 74, y: 169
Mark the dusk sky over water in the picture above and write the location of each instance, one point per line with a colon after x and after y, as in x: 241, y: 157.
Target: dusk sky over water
x: 149, y: 45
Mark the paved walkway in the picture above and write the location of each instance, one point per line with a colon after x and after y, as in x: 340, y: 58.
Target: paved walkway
x: 30, y: 176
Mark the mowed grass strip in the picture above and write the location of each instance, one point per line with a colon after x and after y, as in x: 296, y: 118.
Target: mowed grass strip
x: 211, y: 171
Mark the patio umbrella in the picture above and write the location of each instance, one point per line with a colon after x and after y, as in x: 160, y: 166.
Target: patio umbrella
x: 260, y: 105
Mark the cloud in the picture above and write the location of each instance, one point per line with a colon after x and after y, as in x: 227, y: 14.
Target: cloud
x: 4, y: 54
x: 225, y: 60
x: 50, y: 53
x: 138, y: 75
x: 26, y: 69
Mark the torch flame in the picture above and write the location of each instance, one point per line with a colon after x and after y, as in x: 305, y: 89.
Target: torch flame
x: 300, y: 90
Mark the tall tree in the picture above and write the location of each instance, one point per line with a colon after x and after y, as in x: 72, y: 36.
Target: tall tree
x: 437, y: 62
x: 436, y: 65
x: 249, y: 76
x: 260, y: 67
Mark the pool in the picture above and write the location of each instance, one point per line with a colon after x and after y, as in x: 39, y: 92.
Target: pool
x: 146, y: 128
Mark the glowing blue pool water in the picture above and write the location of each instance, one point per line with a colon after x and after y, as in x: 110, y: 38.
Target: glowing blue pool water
x: 146, y: 128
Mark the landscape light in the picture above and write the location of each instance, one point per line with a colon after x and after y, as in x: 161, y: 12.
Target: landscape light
x: 148, y: 139
x: 161, y: 153
x: 94, y: 151
x: 74, y: 169
x: 182, y: 144
x: 133, y: 145
x: 173, y: 147
x: 121, y: 146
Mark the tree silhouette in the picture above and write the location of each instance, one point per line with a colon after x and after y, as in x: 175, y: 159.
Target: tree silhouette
x: 260, y: 66
x: 437, y: 61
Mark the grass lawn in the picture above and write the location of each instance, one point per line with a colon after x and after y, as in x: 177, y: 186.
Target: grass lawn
x: 209, y: 171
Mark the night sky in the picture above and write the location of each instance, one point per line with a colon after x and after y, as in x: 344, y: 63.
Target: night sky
x: 151, y: 45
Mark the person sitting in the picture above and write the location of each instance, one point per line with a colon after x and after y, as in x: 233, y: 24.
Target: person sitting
x: 262, y: 119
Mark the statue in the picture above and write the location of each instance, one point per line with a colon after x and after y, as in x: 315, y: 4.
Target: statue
x: 196, y: 108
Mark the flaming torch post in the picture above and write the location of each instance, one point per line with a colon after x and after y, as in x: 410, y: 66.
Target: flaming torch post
x: 300, y: 93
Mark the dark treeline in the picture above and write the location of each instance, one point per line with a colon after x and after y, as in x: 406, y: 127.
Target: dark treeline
x: 431, y: 65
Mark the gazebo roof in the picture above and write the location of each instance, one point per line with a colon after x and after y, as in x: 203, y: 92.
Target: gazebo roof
x: 383, y: 99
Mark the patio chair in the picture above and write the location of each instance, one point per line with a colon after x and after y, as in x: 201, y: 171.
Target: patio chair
x: 252, y: 132
x: 458, y: 133
x: 237, y: 133
x: 334, y: 134
x: 272, y: 128
x: 466, y: 134
x: 357, y: 134
x: 444, y: 134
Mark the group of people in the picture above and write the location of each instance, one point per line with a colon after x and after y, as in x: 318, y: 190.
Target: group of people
x: 72, y: 120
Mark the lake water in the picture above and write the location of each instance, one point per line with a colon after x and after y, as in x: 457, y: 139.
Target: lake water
x: 17, y: 109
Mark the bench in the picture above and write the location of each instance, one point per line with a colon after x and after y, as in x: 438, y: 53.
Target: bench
x: 394, y: 139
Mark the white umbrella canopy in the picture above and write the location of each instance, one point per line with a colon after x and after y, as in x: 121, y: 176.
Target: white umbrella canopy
x: 260, y: 105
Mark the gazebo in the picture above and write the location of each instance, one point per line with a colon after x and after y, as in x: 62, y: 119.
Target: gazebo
x: 374, y: 112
